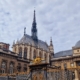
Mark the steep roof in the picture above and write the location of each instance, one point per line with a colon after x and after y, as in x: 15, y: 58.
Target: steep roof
x: 28, y: 39
x: 77, y: 44
x: 63, y: 53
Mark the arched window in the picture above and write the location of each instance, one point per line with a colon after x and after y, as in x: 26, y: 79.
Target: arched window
x: 40, y: 54
x: 11, y: 68
x: 25, y: 68
x: 25, y: 53
x: 19, y: 67
x: 15, y: 49
x: 20, y: 52
x: 34, y: 55
x: 3, y: 66
x: 30, y: 54
x: 45, y: 56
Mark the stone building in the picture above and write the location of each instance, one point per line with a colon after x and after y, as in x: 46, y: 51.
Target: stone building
x: 30, y: 47
x: 69, y: 61
x: 24, y: 50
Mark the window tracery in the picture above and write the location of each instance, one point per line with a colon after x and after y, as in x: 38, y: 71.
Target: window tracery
x: 11, y: 68
x: 45, y: 56
x: 30, y: 54
x: 40, y: 54
x: 25, y: 53
x: 25, y: 68
x: 34, y: 55
x: 3, y: 66
x: 20, y: 51
x: 19, y: 67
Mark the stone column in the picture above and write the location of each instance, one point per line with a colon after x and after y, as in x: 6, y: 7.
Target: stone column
x: 32, y: 53
x: 47, y: 57
x: 76, y: 75
x: 76, y: 72
x: 43, y: 55
x: 8, y: 64
x: 17, y: 49
x: 38, y: 52
x: 28, y: 52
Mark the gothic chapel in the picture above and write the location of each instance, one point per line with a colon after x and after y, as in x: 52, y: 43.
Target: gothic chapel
x: 24, y: 50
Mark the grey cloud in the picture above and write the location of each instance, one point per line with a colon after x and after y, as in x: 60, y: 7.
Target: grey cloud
x: 57, y: 18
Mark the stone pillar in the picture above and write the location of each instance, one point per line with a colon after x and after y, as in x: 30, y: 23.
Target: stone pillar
x: 47, y: 57
x: 76, y: 72
x: 32, y: 53
x: 28, y: 52
x: 76, y: 75
x: 17, y: 49
x: 38, y: 52
x: 15, y: 67
x: 43, y: 54
x: 8, y: 64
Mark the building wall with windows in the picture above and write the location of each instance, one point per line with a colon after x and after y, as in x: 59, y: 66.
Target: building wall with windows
x: 23, y: 51
x: 69, y: 62
x: 11, y: 63
x: 29, y: 47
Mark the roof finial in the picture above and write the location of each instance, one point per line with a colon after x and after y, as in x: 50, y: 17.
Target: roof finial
x: 34, y: 18
x: 51, y: 42
x: 17, y: 41
x: 14, y: 42
x: 24, y: 30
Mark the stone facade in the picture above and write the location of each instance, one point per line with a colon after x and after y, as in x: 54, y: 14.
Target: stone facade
x: 23, y: 51
x: 70, y: 62
x: 29, y: 47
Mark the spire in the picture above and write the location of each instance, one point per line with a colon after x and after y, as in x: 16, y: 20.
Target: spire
x: 34, y: 29
x: 51, y: 44
x: 24, y: 30
x: 14, y: 42
x: 51, y: 48
x: 17, y: 41
x: 34, y: 18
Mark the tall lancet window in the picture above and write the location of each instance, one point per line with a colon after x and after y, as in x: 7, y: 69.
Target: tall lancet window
x: 30, y: 55
x: 45, y: 56
x: 25, y: 53
x: 3, y: 66
x: 20, y: 52
x: 11, y: 68
x: 40, y: 54
x: 34, y: 55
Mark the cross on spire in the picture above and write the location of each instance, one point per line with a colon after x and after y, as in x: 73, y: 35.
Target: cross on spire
x: 34, y: 18
x: 24, y: 30
x: 51, y: 44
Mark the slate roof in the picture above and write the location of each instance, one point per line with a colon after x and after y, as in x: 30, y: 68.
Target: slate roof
x: 63, y: 53
x: 28, y: 39
x: 77, y: 44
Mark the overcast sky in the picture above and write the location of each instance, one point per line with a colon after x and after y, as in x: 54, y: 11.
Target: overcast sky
x: 59, y: 19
